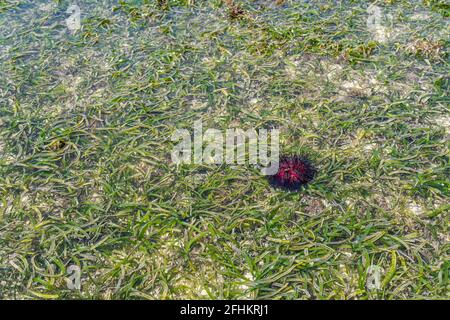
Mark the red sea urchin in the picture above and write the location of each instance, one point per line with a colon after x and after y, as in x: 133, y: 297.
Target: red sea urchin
x: 293, y: 173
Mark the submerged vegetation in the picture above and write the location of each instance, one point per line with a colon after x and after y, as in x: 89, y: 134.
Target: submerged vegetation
x: 85, y: 171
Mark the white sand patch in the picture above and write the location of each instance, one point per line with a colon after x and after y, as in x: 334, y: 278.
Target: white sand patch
x: 198, y: 284
x: 381, y: 33
x: 352, y: 85
x: 199, y: 178
x: 198, y: 105
x: 254, y: 101
x: 347, y: 253
x: 246, y: 285
x: 420, y: 17
x: 415, y: 208
x: 6, y: 206
x: 349, y: 203
x: 48, y: 6
x: 293, y: 68
x: 368, y: 147
x: 209, y: 63
x: 168, y: 250
x: 4, y: 49
x: 333, y: 70
x: 249, y: 278
x: 443, y: 121
x: 96, y: 197
x: 72, y: 83
x: 359, y: 85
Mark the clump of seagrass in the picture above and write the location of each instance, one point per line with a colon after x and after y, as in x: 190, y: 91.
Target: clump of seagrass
x: 426, y: 48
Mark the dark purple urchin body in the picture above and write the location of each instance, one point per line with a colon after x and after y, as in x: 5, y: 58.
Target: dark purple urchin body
x: 293, y: 173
